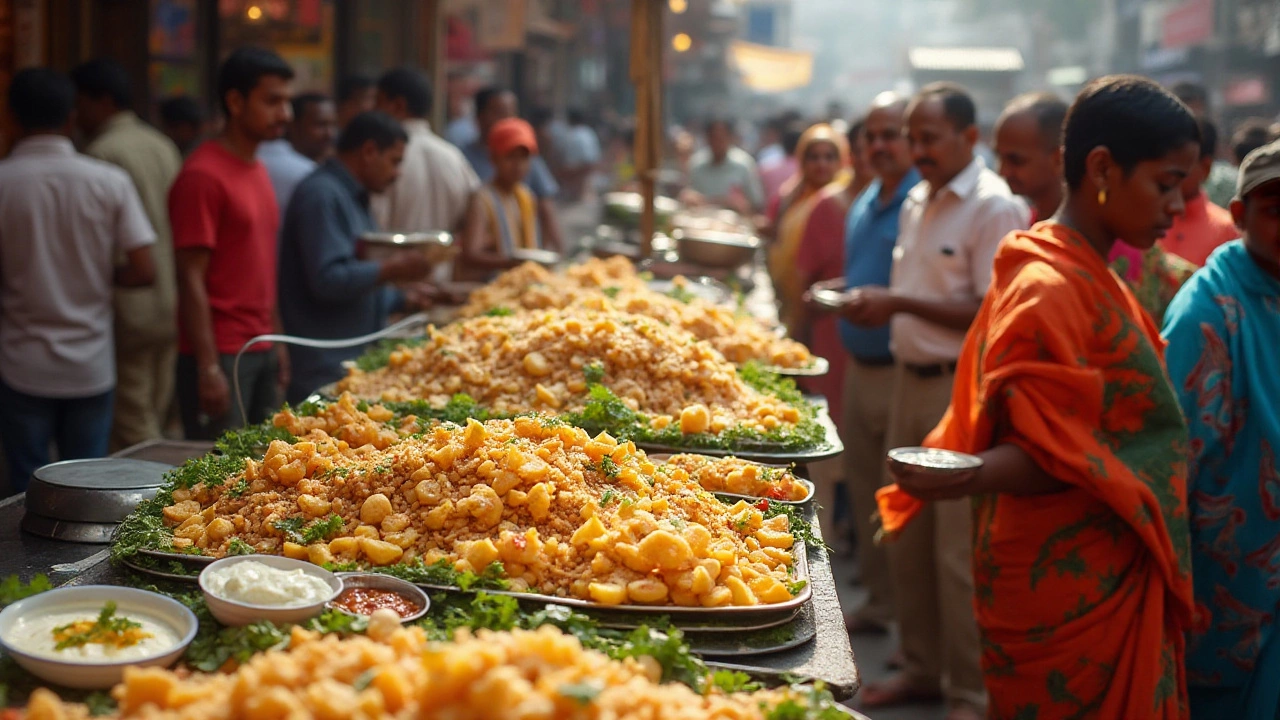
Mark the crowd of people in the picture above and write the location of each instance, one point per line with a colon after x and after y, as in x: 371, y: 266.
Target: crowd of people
x: 1091, y: 317
x: 192, y: 239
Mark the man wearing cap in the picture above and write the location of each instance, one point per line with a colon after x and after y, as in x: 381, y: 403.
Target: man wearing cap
x: 1222, y: 329
x: 503, y: 218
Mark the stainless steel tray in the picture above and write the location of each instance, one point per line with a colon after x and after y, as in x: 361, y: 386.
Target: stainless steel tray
x: 819, y: 367
x: 700, y: 625
x: 675, y: 612
x: 664, y: 457
x: 832, y: 447
x: 749, y: 642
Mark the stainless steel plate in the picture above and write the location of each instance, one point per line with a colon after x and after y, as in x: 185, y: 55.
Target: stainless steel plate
x: 935, y: 461
x: 830, y: 448
x: 820, y: 366
x: 765, y: 641
x: 675, y: 612
x: 688, y: 625
x: 66, y: 530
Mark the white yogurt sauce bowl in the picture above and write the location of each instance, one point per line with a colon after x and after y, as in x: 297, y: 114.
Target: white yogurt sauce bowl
x: 26, y: 629
x: 236, y: 612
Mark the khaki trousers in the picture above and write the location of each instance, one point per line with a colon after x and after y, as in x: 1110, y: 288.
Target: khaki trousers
x: 867, y: 393
x: 931, y: 561
x: 144, y: 392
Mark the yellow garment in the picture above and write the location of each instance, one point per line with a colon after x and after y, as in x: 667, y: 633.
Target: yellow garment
x: 500, y: 226
x: 793, y: 217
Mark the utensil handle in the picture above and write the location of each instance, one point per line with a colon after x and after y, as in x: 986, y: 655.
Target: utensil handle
x: 415, y: 320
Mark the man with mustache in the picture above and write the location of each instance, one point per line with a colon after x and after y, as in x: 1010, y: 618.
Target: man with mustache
x: 951, y: 224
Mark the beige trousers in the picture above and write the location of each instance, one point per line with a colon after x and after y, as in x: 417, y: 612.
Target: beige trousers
x: 144, y: 393
x: 931, y: 561
x: 867, y: 393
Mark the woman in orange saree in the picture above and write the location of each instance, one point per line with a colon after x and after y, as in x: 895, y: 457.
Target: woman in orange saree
x: 1081, y: 549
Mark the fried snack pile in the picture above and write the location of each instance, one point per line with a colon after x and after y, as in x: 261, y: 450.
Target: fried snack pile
x: 731, y: 475
x: 539, y: 361
x: 596, y: 283
x: 396, y: 673
x: 564, y: 513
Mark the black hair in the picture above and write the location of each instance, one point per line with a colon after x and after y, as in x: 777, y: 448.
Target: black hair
x: 353, y: 85
x: 244, y: 67
x: 1191, y: 93
x: 791, y: 138
x: 1133, y: 117
x: 373, y: 125
x: 1049, y: 112
x: 103, y: 78
x: 1249, y: 136
x: 486, y: 95
x: 721, y: 121
x: 181, y: 109
x: 410, y: 84
x: 957, y: 104
x: 576, y: 116
x: 41, y: 99
x: 305, y: 100
x: 1208, y: 137
x: 854, y: 134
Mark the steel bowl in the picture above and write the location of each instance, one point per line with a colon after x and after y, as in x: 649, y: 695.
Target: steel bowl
x: 934, y: 461
x: 716, y: 249
x: 99, y: 490
x: 438, y: 246
x: 379, y: 581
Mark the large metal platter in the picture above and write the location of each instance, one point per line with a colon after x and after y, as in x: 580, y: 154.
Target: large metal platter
x: 808, y: 484
x: 699, y: 626
x: 675, y: 612
x: 749, y: 642
x: 832, y: 447
x: 820, y: 366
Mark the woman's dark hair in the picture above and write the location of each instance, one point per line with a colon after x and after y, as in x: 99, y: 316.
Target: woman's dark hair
x: 103, y: 78
x: 244, y: 67
x: 373, y: 125
x: 856, y: 126
x: 41, y: 99
x: 1133, y: 117
x: 409, y: 84
x: 1208, y: 137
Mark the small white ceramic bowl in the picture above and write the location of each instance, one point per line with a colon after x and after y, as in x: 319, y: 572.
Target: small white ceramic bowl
x: 235, y: 613
x: 90, y: 599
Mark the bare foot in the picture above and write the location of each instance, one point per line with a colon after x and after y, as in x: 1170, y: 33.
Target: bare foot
x: 898, y: 690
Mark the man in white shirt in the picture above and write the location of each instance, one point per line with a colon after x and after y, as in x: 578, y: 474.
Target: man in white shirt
x: 64, y: 220
x: 307, y: 142
x: 951, y: 224
x: 436, y: 181
x: 724, y: 175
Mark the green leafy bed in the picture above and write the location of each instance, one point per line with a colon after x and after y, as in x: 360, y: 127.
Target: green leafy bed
x: 144, y: 528
x: 215, y: 646
x: 605, y: 411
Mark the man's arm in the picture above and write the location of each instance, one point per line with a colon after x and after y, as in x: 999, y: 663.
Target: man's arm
x: 476, y: 243
x: 139, y: 269
x: 197, y: 322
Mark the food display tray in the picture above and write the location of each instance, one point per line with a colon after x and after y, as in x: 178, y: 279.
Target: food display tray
x: 820, y: 366
x: 806, y: 482
x: 675, y: 612
x: 764, y: 641
x: 831, y: 447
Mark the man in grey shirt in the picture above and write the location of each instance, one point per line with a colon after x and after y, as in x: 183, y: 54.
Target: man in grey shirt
x: 327, y: 292
x: 64, y: 220
x: 724, y: 175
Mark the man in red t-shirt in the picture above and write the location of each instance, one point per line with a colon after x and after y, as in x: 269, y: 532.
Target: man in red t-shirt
x: 225, y: 222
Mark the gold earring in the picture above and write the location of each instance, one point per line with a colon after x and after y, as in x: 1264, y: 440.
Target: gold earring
x: 1102, y: 196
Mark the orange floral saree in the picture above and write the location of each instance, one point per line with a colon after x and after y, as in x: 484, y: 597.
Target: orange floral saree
x: 1082, y: 596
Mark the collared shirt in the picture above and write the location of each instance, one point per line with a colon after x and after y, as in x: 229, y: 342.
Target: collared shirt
x: 145, y: 315
x: 435, y: 183
x: 64, y: 220
x: 718, y: 179
x: 286, y: 167
x: 946, y: 246
x: 325, y: 290
x: 871, y: 230
x: 1199, y: 230
x: 539, y: 179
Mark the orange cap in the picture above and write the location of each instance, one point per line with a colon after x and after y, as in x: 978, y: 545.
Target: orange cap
x: 507, y: 135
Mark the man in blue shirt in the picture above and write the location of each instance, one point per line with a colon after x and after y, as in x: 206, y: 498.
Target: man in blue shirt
x: 326, y: 292
x: 871, y: 230
x: 494, y: 104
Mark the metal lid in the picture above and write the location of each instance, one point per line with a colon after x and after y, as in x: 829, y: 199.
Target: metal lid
x: 103, y: 474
